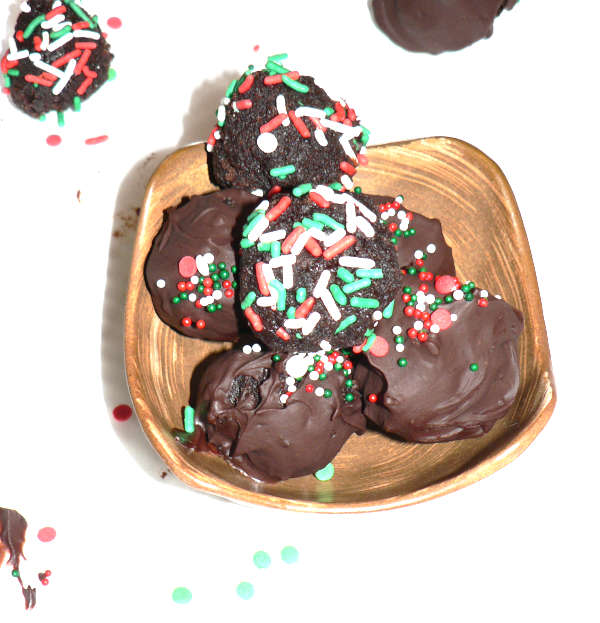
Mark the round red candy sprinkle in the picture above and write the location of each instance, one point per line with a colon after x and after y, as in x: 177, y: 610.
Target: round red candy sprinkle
x: 121, y: 413
x: 424, y: 287
x: 186, y: 321
x: 207, y: 282
x: 5, y: 90
x: 372, y: 397
x: 441, y: 317
x: 445, y: 284
x: 420, y: 263
x: 309, y: 388
x: 200, y: 324
x: 380, y: 347
x: 47, y: 534
x: 229, y: 293
x: 44, y: 581
x: 422, y: 336
x: 347, y: 365
x: 482, y: 302
x: 114, y: 22
x: 189, y: 286
x: 53, y: 140
x: 406, y: 298
x: 409, y: 310
x: 412, y: 333
x: 226, y: 283
x: 208, y: 291
x: 181, y: 286
x: 187, y: 266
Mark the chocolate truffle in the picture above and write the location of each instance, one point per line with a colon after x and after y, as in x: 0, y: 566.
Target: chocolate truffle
x: 191, y: 268
x: 57, y: 57
x: 12, y: 538
x: 271, y: 417
x: 435, y: 26
x: 445, y: 364
x: 278, y: 128
x: 315, y: 268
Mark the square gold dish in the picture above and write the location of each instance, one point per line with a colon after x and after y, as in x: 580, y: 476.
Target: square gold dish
x: 440, y: 177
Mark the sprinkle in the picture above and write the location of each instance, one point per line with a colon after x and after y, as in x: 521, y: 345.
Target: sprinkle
x: 327, y: 220
x: 338, y: 294
x: 431, y: 248
x: 305, y: 308
x: 345, y: 275
x: 261, y: 278
x: 33, y: 24
x: 254, y: 319
x: 261, y: 560
x: 281, y: 293
x: 282, y: 260
x: 318, y: 199
x: 364, y: 303
x: 302, y: 240
x: 267, y: 142
x: 311, y: 323
x: 371, y: 273
x: 302, y: 189
x: 260, y: 226
x: 474, y: 367
x: 346, y: 322
x: 86, y: 34
x: 114, y: 22
x: 279, y: 208
x: 266, y: 301
x: 96, y: 140
x: 294, y: 323
x: 334, y: 237
x: 322, y: 282
x: 365, y: 226
x: 287, y: 244
x: 246, y: 84
x: 294, y: 84
x: 458, y: 295
x: 329, y: 303
x: 272, y: 236
x: 360, y: 284
x: 388, y: 310
x: 121, y: 413
x: 326, y: 473
x: 245, y: 590
x: 369, y: 343
x: 284, y: 171
x: 188, y: 419
x: 339, y: 247
x: 60, y: 42
x: 161, y: 283
x: 244, y: 104
x: 346, y: 167
x: 248, y: 300
x: 53, y: 140
x: 347, y: 182
x: 351, y: 261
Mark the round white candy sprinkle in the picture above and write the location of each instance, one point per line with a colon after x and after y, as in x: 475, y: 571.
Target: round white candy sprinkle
x: 192, y: 297
x: 339, y: 359
x: 497, y: 296
x: 283, y: 398
x: 325, y: 345
x: 256, y: 348
x: 420, y: 306
x: 258, y: 192
x: 195, y: 279
x: 377, y: 315
x: 267, y: 142
x: 483, y: 294
x: 328, y: 366
x: 314, y: 375
x: 247, y: 349
x: 399, y: 199
x: 458, y: 295
x: 434, y: 328
x: 290, y: 380
x: 292, y: 388
x: 396, y: 329
x: 384, y: 216
x: 453, y: 317
x: 319, y: 391
x: 431, y: 248
x: 399, y: 348
x: 418, y: 325
x: 209, y: 258
x: 391, y: 212
x: 430, y: 299
x: 401, y: 214
x: 217, y: 295
x: 210, y: 299
x: 419, y: 254
x: 321, y: 353
x: 161, y: 283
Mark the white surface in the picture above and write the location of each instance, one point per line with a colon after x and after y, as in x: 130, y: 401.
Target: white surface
x: 521, y: 545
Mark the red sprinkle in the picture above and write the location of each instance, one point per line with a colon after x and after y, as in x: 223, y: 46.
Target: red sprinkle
x: 283, y: 334
x: 254, y: 319
x: 313, y: 247
x: 63, y: 60
x: 273, y: 124
x: 86, y: 45
x: 422, y: 336
x: 57, y: 11
x: 319, y: 199
x: 83, y: 87
x: 53, y: 140
x: 347, y: 365
x: 380, y: 347
x: 228, y: 293
x: 122, y: 413
x: 243, y: 104
x: 47, y: 534
x: 99, y: 139
x: 38, y: 80
x: 263, y: 287
x: 358, y: 348
x: 339, y: 247
x: 85, y: 57
x: 482, y: 302
x: 362, y: 160
x: 372, y: 398
x: 409, y: 311
x: 412, y: 333
x: 247, y: 84
x: 304, y: 309
x: 114, y: 22
x: 37, y: 43
x: 346, y: 167
x: 279, y: 208
x: 186, y: 321
x: 276, y: 189
x: 19, y: 36
x: 5, y: 90
x: 299, y: 124
x: 292, y: 237
x: 445, y: 284
x: 277, y: 79
x: 310, y: 388
x: 256, y: 48
x: 200, y: 324
x: 80, y: 25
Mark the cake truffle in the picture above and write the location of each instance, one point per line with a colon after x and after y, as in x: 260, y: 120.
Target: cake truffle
x: 277, y: 416
x: 13, y: 527
x: 436, y: 26
x: 315, y: 269
x: 444, y: 366
x: 276, y: 128
x: 191, y: 268
x: 57, y: 58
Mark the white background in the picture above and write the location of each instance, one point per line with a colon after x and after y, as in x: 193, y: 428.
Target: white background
x: 522, y: 545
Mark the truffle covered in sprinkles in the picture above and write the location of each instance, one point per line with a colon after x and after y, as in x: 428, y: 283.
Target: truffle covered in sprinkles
x: 315, y: 268
x: 56, y: 58
x: 278, y: 128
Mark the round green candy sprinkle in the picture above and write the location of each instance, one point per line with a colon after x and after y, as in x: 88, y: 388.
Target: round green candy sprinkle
x: 322, y: 376
x: 215, y: 276
x: 449, y: 298
x: 261, y: 559
x: 474, y: 367
x: 301, y: 295
x: 188, y: 419
x: 223, y: 274
x: 407, y: 290
x: 212, y: 268
x: 413, y: 298
x: 112, y: 74
x: 183, y: 296
x: 347, y: 372
x: 412, y: 270
x: 326, y: 473
x: 406, y: 234
x: 402, y: 362
x: 276, y: 358
x: 175, y: 300
x: 433, y: 307
x: 465, y: 287
x: 216, y: 285
x: 399, y: 339
x: 234, y: 284
x: 337, y: 366
x: 471, y: 285
x: 357, y: 190
x: 211, y: 308
x: 394, y: 240
x: 469, y: 296
x: 412, y: 231
x: 348, y: 382
x: 438, y: 301
x: 327, y: 393
x: 221, y: 265
x: 422, y: 269
x: 289, y: 554
x: 219, y: 306
x: 15, y: 573
x: 234, y: 269
x: 245, y: 590
x: 181, y: 595
x: 311, y: 368
x: 336, y: 186
x: 349, y: 397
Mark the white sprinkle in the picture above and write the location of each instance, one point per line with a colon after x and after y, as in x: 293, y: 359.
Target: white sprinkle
x: 247, y: 349
x: 36, y: 57
x: 430, y: 299
x: 345, y: 143
x: 325, y: 345
x: 204, y: 301
x: 483, y: 294
x: 55, y: 23
x: 396, y: 329
x: 17, y: 55
x: 57, y: 89
x: 322, y: 282
x: 258, y: 192
x: 86, y: 34
x: 302, y: 240
x: 217, y: 295
x: 195, y: 279
x: 321, y: 138
x: 420, y: 307
x: 330, y: 305
x: 294, y: 323
x: 375, y: 324
x: 418, y: 325
x: 45, y: 41
x: 268, y: 273
x: 217, y: 135
x: 283, y: 398
x: 60, y: 42
x: 209, y: 147
x: 347, y: 181
x: 161, y: 283
x: 259, y: 228
x: 325, y: 191
x: 192, y: 296
x: 350, y: 217
x: 431, y: 248
x: 404, y: 224
x: 399, y: 348
x: 225, y: 101
x: 377, y: 315
x: 292, y: 388
x: 202, y: 265
x: 272, y: 236
x: 399, y: 199
x: 283, y: 260
x: 350, y: 261
x: 319, y: 391
x: 209, y: 257
x: 401, y: 214
x: 281, y: 108
x: 349, y: 131
x: 365, y: 226
x: 311, y: 323
x: 56, y: 3
x: 328, y: 366
x: 210, y: 299
x: 384, y: 216
x: 335, y: 236
x: 319, y: 235
x: 25, y: 8
x: 267, y: 142
x: 288, y: 277
x: 221, y: 114
x: 266, y: 301
x: 434, y: 328
x: 418, y: 254
x: 314, y: 375
x: 391, y: 212
x: 256, y: 348
x: 362, y: 208
x: 458, y: 295
x: 309, y: 111
x: 453, y: 317
x: 339, y: 359
x: 340, y: 197
x: 297, y: 365
x: 497, y: 296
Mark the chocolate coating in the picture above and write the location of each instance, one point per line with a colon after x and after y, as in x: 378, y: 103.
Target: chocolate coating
x: 308, y: 269
x: 436, y: 396
x: 239, y: 399
x: 86, y: 77
x: 435, y: 26
x: 237, y: 159
x: 199, y: 225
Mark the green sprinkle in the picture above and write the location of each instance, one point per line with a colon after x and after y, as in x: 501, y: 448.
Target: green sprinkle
x: 469, y: 296
x: 393, y: 240
x: 245, y: 243
x: 349, y: 397
x: 364, y: 303
x: 474, y: 367
x: 412, y: 270
x: 60, y: 33
x: 276, y: 358
x: 211, y: 308
x: 301, y: 190
x: 42, y: 117
x: 80, y: 12
x: 175, y: 300
x: 399, y: 339
x: 60, y: 117
x: 15, y: 573
x: 261, y: 559
x: 388, y: 310
x: 371, y: 273
x: 33, y: 24
x: 347, y: 382
x: 251, y: 223
x: 326, y: 473
x: 287, y: 169
x: 308, y: 223
x: 369, y: 343
x: 275, y: 248
x: 281, y: 293
x: 212, y: 268
x: 77, y: 103
x: 294, y: 84
x: 265, y: 247
x: 277, y: 57
x: 322, y: 376
x: 336, y: 186
x: 289, y: 554
x: 369, y: 332
x: 7, y: 82
x: 327, y: 393
x: 301, y: 295
x: 248, y: 300
x: 357, y: 190
x: 338, y: 295
x: 245, y: 590
x: 346, y: 322
x: 345, y: 275
x: 221, y: 266
x: 112, y: 74
x: 276, y: 67
x: 291, y: 312
x: 364, y: 137
x: 328, y: 110
x: 188, y: 419
x: 448, y: 298
x: 181, y: 595
x: 13, y: 72
x: 327, y: 220
x: 402, y: 362
x: 355, y: 286
x: 231, y: 88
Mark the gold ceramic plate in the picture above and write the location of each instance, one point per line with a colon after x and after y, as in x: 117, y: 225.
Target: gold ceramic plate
x: 440, y: 177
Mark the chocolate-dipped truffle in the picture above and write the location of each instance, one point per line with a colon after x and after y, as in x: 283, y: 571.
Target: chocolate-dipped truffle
x: 315, y: 268
x: 445, y: 364
x: 191, y: 268
x: 435, y: 26
x: 57, y: 58
x: 271, y: 417
x: 278, y: 128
